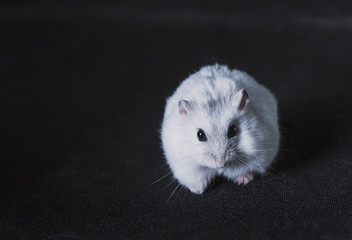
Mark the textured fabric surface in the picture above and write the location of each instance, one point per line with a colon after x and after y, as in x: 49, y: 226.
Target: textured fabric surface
x: 82, y: 94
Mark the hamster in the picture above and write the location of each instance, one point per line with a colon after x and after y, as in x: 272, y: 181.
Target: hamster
x: 219, y: 122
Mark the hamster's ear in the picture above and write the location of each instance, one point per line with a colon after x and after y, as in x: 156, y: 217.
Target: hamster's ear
x: 241, y: 99
x: 184, y: 107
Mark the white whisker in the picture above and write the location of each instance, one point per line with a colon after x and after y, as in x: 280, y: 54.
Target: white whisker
x: 160, y: 179
x: 172, y: 193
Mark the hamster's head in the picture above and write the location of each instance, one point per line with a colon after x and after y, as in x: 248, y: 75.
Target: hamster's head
x: 217, y: 132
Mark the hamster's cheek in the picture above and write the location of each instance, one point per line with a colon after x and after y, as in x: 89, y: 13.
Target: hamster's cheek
x: 246, y: 143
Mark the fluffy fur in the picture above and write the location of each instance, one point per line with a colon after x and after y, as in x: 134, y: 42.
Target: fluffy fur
x: 213, y: 99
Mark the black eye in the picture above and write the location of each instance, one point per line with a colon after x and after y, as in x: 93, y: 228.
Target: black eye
x: 232, y: 131
x: 201, y: 135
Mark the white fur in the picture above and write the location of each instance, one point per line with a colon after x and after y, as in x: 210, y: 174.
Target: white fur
x: 212, y: 93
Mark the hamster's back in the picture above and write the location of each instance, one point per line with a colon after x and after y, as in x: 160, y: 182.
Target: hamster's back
x: 220, y: 79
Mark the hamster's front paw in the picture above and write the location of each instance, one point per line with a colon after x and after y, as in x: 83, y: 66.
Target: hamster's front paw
x: 244, y: 179
x: 196, y: 180
x: 197, y: 188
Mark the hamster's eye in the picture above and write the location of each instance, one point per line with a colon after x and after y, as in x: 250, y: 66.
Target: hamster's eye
x: 201, y: 135
x: 232, y: 131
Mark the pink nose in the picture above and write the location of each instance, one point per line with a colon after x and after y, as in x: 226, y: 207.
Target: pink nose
x: 219, y: 161
x: 219, y: 164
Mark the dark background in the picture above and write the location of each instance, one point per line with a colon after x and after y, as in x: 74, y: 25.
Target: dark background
x: 82, y: 91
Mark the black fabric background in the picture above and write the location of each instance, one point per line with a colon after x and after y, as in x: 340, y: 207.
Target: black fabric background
x: 82, y: 91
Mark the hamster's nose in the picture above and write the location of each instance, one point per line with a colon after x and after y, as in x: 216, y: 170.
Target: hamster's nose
x: 220, y: 164
x: 219, y: 157
x: 219, y: 161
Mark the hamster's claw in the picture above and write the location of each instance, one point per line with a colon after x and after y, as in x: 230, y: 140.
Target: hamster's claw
x: 244, y: 179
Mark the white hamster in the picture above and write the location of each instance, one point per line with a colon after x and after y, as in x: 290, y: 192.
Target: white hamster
x: 219, y: 122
